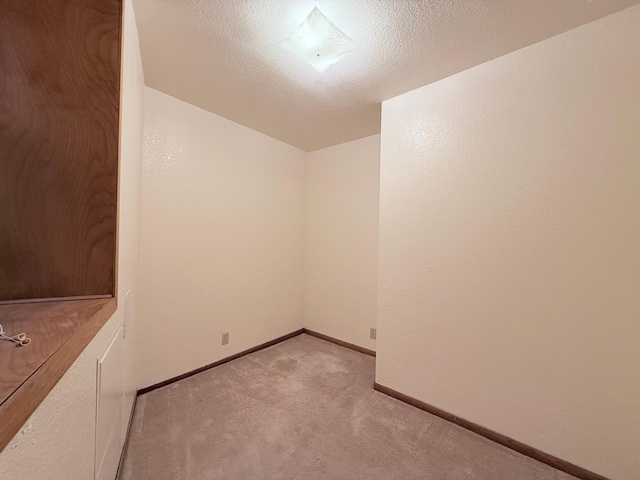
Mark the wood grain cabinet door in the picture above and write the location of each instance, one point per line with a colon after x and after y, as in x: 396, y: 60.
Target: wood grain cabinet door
x: 59, y: 127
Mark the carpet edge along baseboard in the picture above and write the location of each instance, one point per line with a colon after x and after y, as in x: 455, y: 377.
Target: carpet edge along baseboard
x: 508, y: 442
x: 342, y: 343
x: 270, y: 343
x: 171, y: 380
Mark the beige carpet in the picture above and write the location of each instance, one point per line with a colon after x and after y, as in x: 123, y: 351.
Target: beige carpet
x: 304, y: 409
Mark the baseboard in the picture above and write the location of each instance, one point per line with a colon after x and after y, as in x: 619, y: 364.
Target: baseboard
x: 342, y: 343
x: 515, y: 445
x: 164, y: 383
x: 519, y: 447
x: 126, y: 438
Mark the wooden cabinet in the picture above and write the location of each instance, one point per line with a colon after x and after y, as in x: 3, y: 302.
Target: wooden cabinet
x: 59, y: 124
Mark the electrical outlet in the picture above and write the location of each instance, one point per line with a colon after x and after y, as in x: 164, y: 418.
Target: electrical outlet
x: 225, y: 338
x: 372, y: 333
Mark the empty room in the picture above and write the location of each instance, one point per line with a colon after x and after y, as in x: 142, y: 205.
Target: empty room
x: 330, y: 239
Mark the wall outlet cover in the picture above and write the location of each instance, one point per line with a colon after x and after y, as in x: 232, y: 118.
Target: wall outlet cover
x: 372, y: 333
x: 225, y: 338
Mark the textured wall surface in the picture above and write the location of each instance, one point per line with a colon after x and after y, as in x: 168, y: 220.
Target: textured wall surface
x: 58, y: 441
x: 222, y: 238
x: 509, y: 264
x: 341, y: 248
x: 224, y: 55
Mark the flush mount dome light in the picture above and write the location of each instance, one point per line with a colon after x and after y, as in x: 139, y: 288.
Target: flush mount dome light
x: 318, y: 41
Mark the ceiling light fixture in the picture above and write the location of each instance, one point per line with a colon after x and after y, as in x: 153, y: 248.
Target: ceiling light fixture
x: 319, y: 42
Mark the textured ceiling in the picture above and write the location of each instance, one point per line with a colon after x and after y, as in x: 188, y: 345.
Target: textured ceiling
x: 223, y: 55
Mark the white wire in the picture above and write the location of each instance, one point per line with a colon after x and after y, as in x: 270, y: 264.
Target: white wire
x: 21, y: 339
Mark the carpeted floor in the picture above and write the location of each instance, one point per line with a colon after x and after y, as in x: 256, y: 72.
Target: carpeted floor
x: 304, y: 409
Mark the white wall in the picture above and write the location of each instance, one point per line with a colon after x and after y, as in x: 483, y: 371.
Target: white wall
x: 129, y: 191
x: 509, y: 268
x: 58, y: 441
x: 222, y: 238
x: 341, y: 249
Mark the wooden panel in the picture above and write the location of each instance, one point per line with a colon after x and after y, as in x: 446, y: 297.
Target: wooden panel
x: 59, y: 332
x: 49, y: 325
x: 59, y: 121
